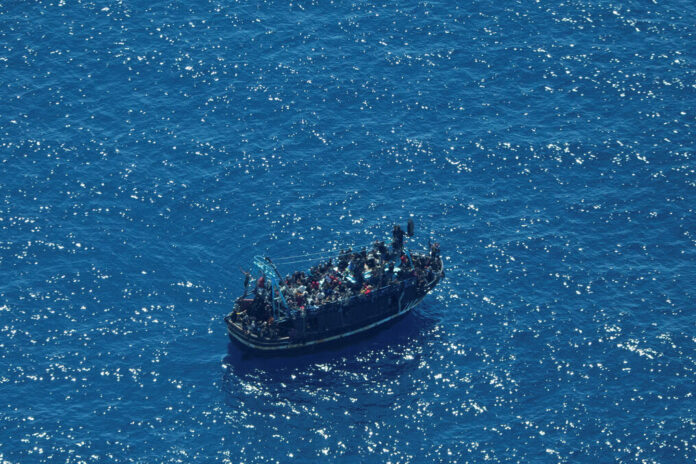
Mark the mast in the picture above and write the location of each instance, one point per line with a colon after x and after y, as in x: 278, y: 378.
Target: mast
x: 269, y: 269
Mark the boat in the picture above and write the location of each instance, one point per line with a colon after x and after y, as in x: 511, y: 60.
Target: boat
x: 348, y: 294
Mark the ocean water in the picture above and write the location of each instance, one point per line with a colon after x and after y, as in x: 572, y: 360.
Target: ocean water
x: 148, y: 149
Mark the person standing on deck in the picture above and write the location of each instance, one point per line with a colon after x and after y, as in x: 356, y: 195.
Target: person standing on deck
x: 398, y: 240
x: 247, y: 279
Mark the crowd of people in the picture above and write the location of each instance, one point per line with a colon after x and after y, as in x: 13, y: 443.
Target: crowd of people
x: 351, y: 273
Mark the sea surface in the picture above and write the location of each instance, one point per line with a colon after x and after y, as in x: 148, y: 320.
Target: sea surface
x: 149, y: 149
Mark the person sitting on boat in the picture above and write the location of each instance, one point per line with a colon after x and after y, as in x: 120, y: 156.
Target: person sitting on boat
x: 300, y: 299
x: 371, y: 263
x: 344, y: 258
x: 377, y: 277
x: 358, y: 276
x: 380, y: 248
x: 352, y: 264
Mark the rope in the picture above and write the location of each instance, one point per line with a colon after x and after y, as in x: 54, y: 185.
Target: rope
x: 296, y: 261
x: 316, y: 255
x: 306, y: 256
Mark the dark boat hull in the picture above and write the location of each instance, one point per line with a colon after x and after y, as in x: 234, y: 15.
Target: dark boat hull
x: 248, y: 343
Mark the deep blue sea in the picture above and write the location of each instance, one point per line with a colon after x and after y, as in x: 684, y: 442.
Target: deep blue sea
x: 148, y: 149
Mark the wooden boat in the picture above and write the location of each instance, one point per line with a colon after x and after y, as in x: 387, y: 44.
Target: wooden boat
x: 281, y: 315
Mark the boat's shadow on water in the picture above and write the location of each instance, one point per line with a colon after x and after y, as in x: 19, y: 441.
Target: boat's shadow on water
x: 402, y: 337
